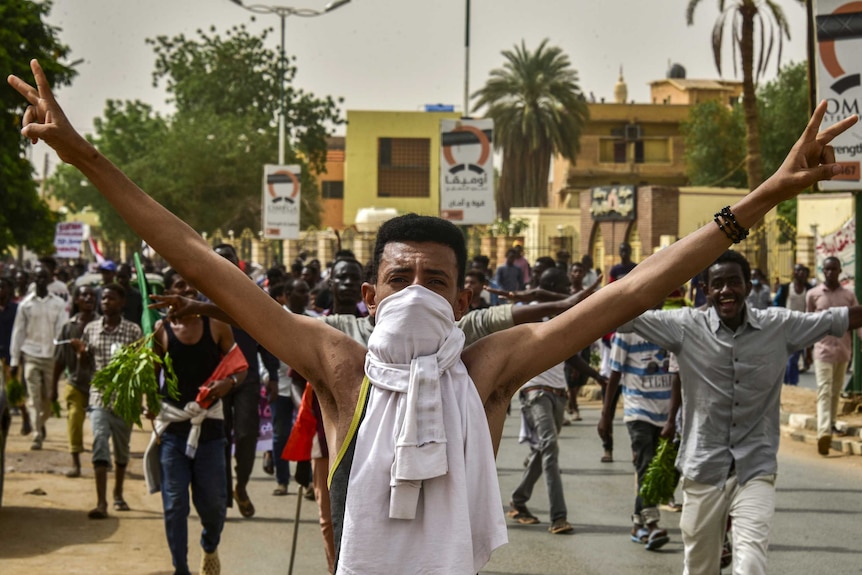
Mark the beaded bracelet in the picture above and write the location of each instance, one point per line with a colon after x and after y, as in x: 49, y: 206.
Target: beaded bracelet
x: 728, y: 224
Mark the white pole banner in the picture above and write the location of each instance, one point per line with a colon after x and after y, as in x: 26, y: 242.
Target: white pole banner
x: 839, y: 63
x: 67, y: 239
x: 839, y: 244
x: 280, y: 203
x: 467, y: 171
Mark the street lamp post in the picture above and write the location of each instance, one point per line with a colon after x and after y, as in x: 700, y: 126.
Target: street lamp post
x: 283, y: 12
x: 466, y: 112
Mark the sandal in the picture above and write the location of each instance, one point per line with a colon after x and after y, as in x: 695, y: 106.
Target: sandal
x: 657, y: 539
x: 560, y: 526
x: 640, y: 535
x: 120, y: 505
x: 520, y: 514
x: 280, y: 490
x: 607, y: 458
x: 246, y: 507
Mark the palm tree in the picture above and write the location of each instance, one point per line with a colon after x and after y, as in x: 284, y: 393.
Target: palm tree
x: 754, y: 26
x: 538, y: 110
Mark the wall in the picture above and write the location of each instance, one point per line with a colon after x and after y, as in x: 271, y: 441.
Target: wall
x: 364, y: 128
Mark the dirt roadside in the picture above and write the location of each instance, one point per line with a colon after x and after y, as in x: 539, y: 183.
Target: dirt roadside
x: 43, y: 522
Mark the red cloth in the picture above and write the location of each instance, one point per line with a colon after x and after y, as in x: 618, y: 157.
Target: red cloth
x: 233, y: 362
x: 298, y: 446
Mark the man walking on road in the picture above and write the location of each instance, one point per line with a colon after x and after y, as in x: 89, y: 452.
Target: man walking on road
x: 731, y: 360
x: 832, y: 353
x: 641, y: 369
x: 241, y: 415
x: 543, y: 403
x: 78, y: 374
x: 102, y: 339
x: 40, y: 318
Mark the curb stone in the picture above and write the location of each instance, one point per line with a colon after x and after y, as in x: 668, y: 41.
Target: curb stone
x: 803, y: 428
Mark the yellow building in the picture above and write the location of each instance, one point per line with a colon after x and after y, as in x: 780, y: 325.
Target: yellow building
x: 392, y: 160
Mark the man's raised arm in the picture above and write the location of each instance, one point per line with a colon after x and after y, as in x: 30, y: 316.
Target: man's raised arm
x: 187, y: 252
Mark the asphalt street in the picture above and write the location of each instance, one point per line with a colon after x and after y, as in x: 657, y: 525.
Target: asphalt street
x: 816, y: 523
x: 818, y: 513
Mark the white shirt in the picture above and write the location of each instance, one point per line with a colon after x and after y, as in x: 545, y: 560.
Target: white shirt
x: 38, y: 322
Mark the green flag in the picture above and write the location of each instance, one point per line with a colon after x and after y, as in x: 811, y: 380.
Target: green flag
x: 149, y: 317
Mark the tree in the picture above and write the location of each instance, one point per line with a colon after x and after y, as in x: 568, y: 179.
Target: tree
x: 25, y: 218
x: 221, y: 87
x: 129, y: 134
x: 205, y: 161
x: 747, y: 21
x: 783, y: 109
x: 714, y: 154
x: 538, y: 110
x: 715, y: 134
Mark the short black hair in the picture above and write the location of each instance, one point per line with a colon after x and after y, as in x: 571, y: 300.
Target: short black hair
x: 729, y: 257
x: 476, y: 275
x: 281, y: 288
x: 416, y: 228
x: 546, y: 261
x: 169, y: 277
x: 116, y: 288
x: 554, y: 279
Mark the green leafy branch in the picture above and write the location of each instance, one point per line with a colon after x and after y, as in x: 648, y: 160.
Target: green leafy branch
x: 660, y: 480
x: 130, y: 377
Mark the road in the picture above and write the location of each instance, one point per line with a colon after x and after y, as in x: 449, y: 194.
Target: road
x: 816, y: 525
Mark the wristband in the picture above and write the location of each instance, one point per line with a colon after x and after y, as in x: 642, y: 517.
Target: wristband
x: 729, y: 226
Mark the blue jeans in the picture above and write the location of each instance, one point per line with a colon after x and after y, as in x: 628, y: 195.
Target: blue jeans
x: 206, y: 476
x: 791, y: 372
x: 282, y: 424
x: 544, y: 413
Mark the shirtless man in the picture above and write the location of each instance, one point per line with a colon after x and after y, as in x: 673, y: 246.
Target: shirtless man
x: 419, y: 265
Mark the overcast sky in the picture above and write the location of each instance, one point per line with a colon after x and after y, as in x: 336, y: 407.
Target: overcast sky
x: 399, y: 54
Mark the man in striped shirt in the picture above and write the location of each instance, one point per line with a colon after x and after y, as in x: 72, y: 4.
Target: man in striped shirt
x: 641, y: 368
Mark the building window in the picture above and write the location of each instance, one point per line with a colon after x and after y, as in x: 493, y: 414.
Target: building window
x: 404, y: 168
x: 640, y: 151
x: 332, y: 190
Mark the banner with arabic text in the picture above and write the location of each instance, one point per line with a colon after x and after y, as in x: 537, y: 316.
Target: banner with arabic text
x: 840, y: 244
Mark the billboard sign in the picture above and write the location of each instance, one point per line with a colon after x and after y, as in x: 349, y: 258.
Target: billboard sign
x: 467, y: 171
x: 839, y: 63
x: 280, y: 202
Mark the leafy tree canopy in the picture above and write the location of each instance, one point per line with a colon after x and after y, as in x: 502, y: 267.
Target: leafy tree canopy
x: 25, y: 218
x: 205, y: 161
x: 715, y: 134
x: 714, y: 145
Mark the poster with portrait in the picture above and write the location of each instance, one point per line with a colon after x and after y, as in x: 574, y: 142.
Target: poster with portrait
x: 467, y: 171
x: 280, y: 202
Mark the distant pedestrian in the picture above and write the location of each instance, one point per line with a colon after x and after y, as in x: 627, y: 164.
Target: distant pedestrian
x: 102, y: 340
x: 543, y: 403
x: 78, y: 374
x: 509, y: 276
x: 760, y: 297
x: 832, y: 353
x: 792, y: 295
x: 39, y: 319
